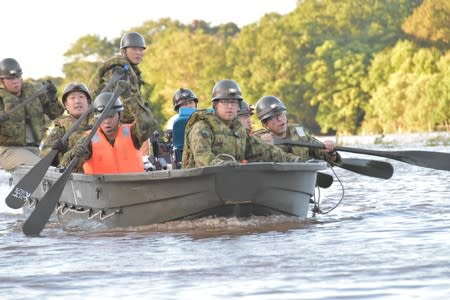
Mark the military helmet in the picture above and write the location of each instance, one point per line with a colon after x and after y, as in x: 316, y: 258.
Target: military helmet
x: 75, y: 86
x: 269, y: 106
x: 245, y: 109
x: 226, y: 89
x: 183, y: 95
x: 132, y: 39
x: 102, y: 100
x: 10, y: 68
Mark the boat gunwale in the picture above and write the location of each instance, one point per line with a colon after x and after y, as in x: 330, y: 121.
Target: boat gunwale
x: 310, y: 166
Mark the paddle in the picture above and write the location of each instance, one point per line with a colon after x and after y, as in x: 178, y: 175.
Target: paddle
x: 368, y: 167
x: 372, y: 168
x: 28, y: 183
x: 40, y: 92
x: 45, y: 207
x: 427, y: 159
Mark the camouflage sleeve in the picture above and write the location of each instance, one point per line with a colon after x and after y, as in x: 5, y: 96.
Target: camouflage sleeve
x: 50, y: 104
x: 104, y: 73
x: 96, y: 84
x: 52, y: 107
x: 133, y: 106
x: 57, y: 132
x: 77, y: 149
x: 324, y: 155
x: 258, y: 150
x: 144, y: 123
x: 261, y: 131
x: 200, y: 142
x: 100, y: 78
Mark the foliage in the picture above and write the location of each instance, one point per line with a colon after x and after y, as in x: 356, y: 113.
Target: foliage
x: 340, y: 66
x: 414, y: 95
x: 85, y: 55
x: 185, y: 58
x: 430, y: 22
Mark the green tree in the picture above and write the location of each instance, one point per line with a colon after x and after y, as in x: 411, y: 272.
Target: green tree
x: 84, y: 56
x: 181, y: 58
x: 430, y: 22
x: 413, y: 95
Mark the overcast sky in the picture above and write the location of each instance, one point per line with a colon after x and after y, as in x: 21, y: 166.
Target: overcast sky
x: 38, y: 32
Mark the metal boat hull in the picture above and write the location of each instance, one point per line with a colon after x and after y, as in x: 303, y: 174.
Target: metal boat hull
x: 121, y: 200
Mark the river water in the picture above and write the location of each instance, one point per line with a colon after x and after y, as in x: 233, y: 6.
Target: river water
x: 388, y: 239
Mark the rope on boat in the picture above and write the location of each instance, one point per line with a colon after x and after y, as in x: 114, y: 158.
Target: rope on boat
x: 316, y: 209
x: 223, y: 159
x: 30, y: 202
x: 63, y: 209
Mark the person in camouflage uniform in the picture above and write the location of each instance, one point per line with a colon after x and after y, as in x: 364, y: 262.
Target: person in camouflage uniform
x: 76, y: 99
x: 21, y: 129
x: 272, y: 113
x: 139, y: 132
x: 218, y: 138
x: 245, y: 114
x: 132, y: 46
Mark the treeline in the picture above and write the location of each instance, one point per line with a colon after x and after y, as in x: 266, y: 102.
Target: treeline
x: 340, y: 66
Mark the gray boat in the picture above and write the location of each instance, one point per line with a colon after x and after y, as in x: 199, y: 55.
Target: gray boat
x: 135, y: 199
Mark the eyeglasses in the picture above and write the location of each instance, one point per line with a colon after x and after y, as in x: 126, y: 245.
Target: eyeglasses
x: 232, y: 102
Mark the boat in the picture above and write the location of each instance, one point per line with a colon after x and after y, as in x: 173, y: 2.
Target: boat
x: 136, y: 199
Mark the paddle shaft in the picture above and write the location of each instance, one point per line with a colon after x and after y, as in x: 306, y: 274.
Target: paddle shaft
x: 427, y: 159
x: 29, y: 182
x: 30, y: 99
x: 45, y: 207
x: 372, y: 168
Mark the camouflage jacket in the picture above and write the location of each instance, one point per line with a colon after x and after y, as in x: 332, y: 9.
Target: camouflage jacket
x: 209, y: 141
x: 13, y: 131
x: 57, y: 130
x: 141, y: 130
x: 297, y: 132
x: 133, y: 75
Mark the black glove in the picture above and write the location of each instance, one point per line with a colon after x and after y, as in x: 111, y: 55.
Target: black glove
x: 51, y: 90
x: 59, y: 145
x: 3, y: 117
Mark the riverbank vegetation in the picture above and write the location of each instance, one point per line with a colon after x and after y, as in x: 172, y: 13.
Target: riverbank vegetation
x: 341, y: 66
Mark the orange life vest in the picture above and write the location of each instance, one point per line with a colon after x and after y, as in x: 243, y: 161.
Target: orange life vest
x: 123, y: 157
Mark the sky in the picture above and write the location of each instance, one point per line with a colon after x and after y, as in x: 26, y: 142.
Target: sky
x: 37, y: 33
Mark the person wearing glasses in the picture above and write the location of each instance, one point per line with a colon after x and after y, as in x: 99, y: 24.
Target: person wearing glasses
x: 271, y: 111
x: 215, y: 138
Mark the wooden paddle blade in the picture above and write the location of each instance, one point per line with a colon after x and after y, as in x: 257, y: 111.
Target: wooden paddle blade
x: 28, y: 183
x: 45, y: 207
x: 324, y: 180
x: 372, y: 168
